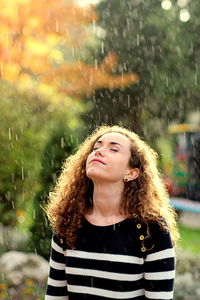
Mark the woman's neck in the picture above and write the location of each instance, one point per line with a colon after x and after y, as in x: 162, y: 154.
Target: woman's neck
x: 106, y: 204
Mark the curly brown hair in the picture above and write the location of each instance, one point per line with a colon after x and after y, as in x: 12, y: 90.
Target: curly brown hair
x: 145, y: 198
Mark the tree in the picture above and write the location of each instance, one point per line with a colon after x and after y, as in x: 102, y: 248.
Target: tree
x: 39, y: 42
x: 155, y: 44
x: 60, y: 145
x: 27, y: 120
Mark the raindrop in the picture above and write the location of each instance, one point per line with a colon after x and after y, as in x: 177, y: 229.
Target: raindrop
x: 95, y: 64
x: 22, y: 173
x: 57, y: 26
x: 23, y: 196
x: 71, y: 138
x: 195, y: 78
x: 34, y: 214
x: 115, y: 31
x: 62, y: 142
x: 138, y: 40
x: 128, y: 24
x: 94, y: 26
x: 54, y: 177
x: 122, y: 74
x: 9, y: 133
x: 102, y: 47
x: 128, y: 101
x: 92, y: 281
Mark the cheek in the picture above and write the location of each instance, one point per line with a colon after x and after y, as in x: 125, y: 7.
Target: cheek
x: 120, y: 167
x: 88, y: 160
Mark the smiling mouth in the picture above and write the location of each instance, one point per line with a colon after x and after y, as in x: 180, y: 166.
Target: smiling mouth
x: 97, y: 160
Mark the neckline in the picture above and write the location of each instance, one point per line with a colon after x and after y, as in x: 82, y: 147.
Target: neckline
x: 106, y: 226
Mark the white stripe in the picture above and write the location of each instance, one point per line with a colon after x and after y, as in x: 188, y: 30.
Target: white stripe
x: 57, y: 283
x: 160, y: 275
x: 104, y: 293
x: 161, y: 255
x: 47, y: 297
x: 104, y: 274
x: 56, y: 265
x: 56, y: 247
x: 159, y: 295
x: 105, y: 256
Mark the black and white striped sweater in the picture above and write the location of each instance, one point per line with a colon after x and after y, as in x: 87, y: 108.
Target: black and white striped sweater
x: 120, y: 261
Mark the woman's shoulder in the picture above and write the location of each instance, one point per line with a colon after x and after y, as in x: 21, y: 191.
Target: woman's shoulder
x: 59, y: 240
x: 153, y: 235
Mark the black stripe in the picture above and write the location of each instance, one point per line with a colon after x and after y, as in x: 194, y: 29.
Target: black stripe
x: 159, y: 285
x: 56, y: 291
x: 107, y: 284
x: 166, y: 264
x: 109, y: 266
x: 57, y: 256
x: 57, y: 274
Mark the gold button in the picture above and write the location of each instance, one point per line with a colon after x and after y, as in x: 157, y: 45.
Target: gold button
x: 61, y: 240
x: 143, y: 249
x: 141, y: 237
x: 139, y: 226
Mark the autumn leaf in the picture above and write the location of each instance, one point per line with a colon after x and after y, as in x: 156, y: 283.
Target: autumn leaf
x: 34, y: 39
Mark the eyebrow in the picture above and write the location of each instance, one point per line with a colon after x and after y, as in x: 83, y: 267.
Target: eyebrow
x: 111, y: 143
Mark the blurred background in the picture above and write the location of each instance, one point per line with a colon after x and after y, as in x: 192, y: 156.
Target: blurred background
x: 67, y: 66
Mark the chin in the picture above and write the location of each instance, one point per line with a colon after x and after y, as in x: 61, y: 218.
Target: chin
x: 94, y: 176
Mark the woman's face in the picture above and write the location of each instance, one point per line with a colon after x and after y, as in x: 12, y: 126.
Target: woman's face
x: 109, y: 160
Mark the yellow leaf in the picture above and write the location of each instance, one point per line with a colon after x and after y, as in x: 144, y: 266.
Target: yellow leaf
x: 36, y: 47
x: 11, y: 71
x: 56, y: 56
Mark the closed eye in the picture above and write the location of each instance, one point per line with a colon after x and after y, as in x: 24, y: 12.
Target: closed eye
x: 114, y: 150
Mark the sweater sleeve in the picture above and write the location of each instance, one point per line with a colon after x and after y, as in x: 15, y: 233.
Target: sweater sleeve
x: 159, y: 266
x: 56, y: 284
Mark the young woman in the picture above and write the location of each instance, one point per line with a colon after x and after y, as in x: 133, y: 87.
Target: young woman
x: 113, y: 228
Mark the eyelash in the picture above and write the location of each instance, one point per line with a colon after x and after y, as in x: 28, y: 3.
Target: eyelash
x: 115, y: 150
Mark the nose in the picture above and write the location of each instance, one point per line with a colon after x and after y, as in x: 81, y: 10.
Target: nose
x: 99, y: 152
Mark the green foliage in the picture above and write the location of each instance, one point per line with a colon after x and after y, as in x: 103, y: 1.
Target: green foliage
x: 60, y: 145
x: 155, y: 44
x: 189, y: 239
x: 22, y: 140
x: 27, y: 121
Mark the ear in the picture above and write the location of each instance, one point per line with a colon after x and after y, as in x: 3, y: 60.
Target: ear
x: 132, y: 174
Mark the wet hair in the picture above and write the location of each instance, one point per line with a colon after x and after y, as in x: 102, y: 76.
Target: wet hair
x: 145, y: 198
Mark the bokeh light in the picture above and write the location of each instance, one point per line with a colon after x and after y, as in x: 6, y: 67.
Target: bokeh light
x: 166, y: 4
x: 184, y: 15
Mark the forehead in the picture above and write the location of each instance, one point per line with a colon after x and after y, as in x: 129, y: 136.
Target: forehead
x: 115, y: 137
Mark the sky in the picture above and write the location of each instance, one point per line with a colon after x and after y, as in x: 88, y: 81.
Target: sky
x: 86, y: 2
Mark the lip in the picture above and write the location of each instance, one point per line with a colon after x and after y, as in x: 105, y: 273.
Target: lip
x: 97, y: 160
